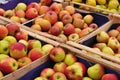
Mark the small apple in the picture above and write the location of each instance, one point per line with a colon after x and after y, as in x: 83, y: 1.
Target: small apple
x: 11, y: 40
x: 51, y: 16
x: 23, y: 61
x: 47, y: 73
x: 18, y: 50
x: 45, y: 2
x: 57, y: 54
x: 24, y: 42
x: 43, y: 9
x: 69, y: 29
x: 108, y: 50
x: 63, y: 36
x: 86, y: 78
x: 78, y: 23
x: 23, y: 20
x: 62, y: 13
x: 2, y: 11
x: 34, y: 44
x: 85, y: 25
x: 31, y: 13
x: 73, y: 37
x: 113, y: 33
x: 16, y: 19
x: 3, y: 32
x: 20, y: 13
x: 88, y: 19
x: 8, y: 65
x: 70, y: 59
x: 100, y: 45
x: 77, y: 30
x: 12, y: 29
x: 33, y: 5
x: 8, y: 13
x: 55, y: 30
x: 3, y: 56
x: 109, y: 76
x: 46, y: 48
x: 36, y: 27
x: 59, y: 24
x: 58, y: 76
x: 77, y: 15
x: 93, y: 26
x: 60, y: 67
x: 83, y: 32
x: 70, y: 9
x: 21, y: 6
x: 35, y: 54
x: 21, y: 35
x: 96, y: 71
x: 67, y: 19
x: 4, y: 47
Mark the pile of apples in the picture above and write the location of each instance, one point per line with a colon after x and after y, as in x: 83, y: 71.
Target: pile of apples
x: 67, y: 67
x: 22, y: 12
x: 112, y: 5
x: 109, y: 42
x: 17, y: 49
x: 64, y: 23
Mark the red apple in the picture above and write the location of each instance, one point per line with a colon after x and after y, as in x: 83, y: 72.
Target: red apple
x: 3, y: 32
x: 18, y: 50
x: 8, y: 65
x: 20, y: 13
x: 1, y: 11
x: 58, y: 76
x: 57, y: 54
x: 51, y: 16
x: 60, y: 67
x: 45, y: 2
x: 55, y: 30
x: 21, y: 35
x: 33, y: 5
x: 12, y: 29
x: 31, y: 13
x: 62, y: 13
x: 59, y: 24
x: 43, y: 9
x: 93, y: 26
x: 24, y: 61
x: 67, y: 19
x: 47, y: 73
x: 109, y: 76
x: 69, y: 29
x: 55, y: 7
x: 35, y: 54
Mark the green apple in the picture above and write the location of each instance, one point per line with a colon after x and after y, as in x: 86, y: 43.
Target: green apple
x: 73, y: 37
x: 46, y: 48
x: 10, y: 39
x: 108, y: 50
x: 3, y: 56
x: 96, y: 71
x: 4, y: 47
x: 21, y: 6
x: 87, y: 78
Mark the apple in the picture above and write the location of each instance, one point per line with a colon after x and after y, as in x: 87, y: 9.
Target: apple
x: 109, y: 76
x: 59, y: 67
x: 73, y: 37
x: 3, y: 32
x: 96, y: 71
x: 2, y: 11
x: 77, y: 15
x: 70, y: 59
x: 70, y: 9
x: 8, y: 13
x: 102, y: 37
x: 23, y: 20
x: 88, y: 19
x: 35, y: 54
x: 45, y: 2
x: 21, y: 35
x: 40, y: 78
x: 55, y: 7
x: 108, y: 50
x: 47, y: 73
x: 75, y: 71
x: 66, y: 19
x: 24, y: 42
x: 55, y: 30
x: 4, y: 47
x: 33, y: 5
x: 21, y: 6
x: 1, y: 74
x: 83, y: 32
x: 31, y: 13
x: 62, y: 13
x: 85, y: 25
x: 8, y: 65
x: 93, y: 26
x: 113, y: 33
x: 118, y: 28
x: 36, y: 27
x: 100, y: 45
x: 59, y: 24
x: 3, y: 56
x: 20, y: 13
x: 11, y: 40
x: 44, y: 24
x: 12, y: 29
x: 63, y: 36
x: 78, y: 23
x: 16, y: 19
x: 69, y: 29
x: 86, y: 78
x: 23, y: 61
x: 34, y: 44
x: 57, y: 54
x: 58, y: 76
x: 43, y: 9
x: 51, y: 16
x: 46, y: 48
x: 77, y: 30
x: 18, y: 50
